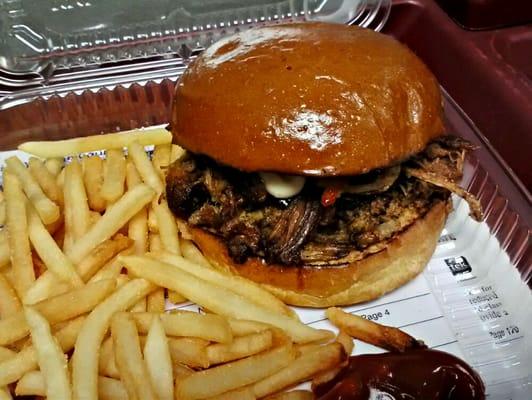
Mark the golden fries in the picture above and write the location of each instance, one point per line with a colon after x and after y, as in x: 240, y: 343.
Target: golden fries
x: 54, y: 165
x: 17, y: 227
x: 57, y: 309
x: 93, y: 179
x: 25, y: 360
x: 217, y: 299
x: 387, y: 337
x: 217, y: 380
x: 240, y: 347
x: 46, y: 180
x: 62, y: 148
x: 167, y: 228
x: 32, y: 384
x: 4, y: 249
x: 138, y: 225
x: 114, y: 176
x: 77, y: 213
x: 50, y: 253
x: 113, y: 219
x: 158, y: 360
x: 9, y: 301
x: 192, y: 253
x: 184, y: 323
x: 46, y: 208
x: 128, y: 357
x: 303, y: 368
x: 145, y: 168
x: 236, y: 284
x: 189, y: 351
x: 85, y: 358
x: 50, y: 356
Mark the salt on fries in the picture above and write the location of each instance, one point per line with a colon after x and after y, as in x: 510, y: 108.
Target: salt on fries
x: 91, y: 294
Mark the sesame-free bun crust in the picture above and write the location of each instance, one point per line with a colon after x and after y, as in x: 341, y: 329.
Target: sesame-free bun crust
x: 307, y: 99
x: 373, y: 276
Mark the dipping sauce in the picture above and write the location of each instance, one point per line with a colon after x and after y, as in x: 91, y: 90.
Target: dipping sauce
x: 416, y: 374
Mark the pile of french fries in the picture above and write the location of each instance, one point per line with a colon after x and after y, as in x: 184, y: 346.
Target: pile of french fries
x: 90, y: 254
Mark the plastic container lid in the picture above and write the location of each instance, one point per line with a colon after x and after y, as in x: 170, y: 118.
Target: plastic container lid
x: 48, y: 42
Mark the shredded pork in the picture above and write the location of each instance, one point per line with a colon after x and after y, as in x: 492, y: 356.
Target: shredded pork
x: 368, y: 212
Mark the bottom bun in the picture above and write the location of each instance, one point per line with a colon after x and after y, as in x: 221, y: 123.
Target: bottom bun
x: 367, y: 279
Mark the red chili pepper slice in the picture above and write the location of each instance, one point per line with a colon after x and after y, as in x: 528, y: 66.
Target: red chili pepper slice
x: 329, y: 196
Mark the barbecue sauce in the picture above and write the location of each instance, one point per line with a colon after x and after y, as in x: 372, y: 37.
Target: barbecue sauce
x: 415, y: 374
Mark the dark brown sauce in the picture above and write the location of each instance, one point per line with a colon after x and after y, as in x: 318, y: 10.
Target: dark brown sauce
x: 415, y: 374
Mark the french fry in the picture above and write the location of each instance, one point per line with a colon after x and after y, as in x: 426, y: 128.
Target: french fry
x: 18, y: 237
x: 111, y: 389
x: 138, y: 225
x: 128, y: 357
x: 167, y: 228
x: 346, y: 341
x: 176, y: 152
x: 77, y: 213
x: 209, y: 327
x: 47, y: 285
x: 46, y: 208
x: 57, y: 309
x: 383, y: 336
x: 158, y: 360
x: 241, y: 347
x: 161, y: 156
x: 226, y: 377
x: 52, y: 256
x: 6, y: 354
x: 9, y: 301
x: 25, y: 360
x: 4, y: 249
x: 2, y: 211
x: 112, y: 268
x: 106, y: 362
x: 293, y: 395
x: 54, y: 165
x: 152, y: 221
x: 145, y: 168
x: 242, y: 327
x: 300, y: 370
x: 180, y: 371
x: 50, y: 357
x: 5, y: 394
x: 189, y: 351
x: 155, y: 242
x: 114, y: 175
x: 113, y: 219
x: 245, y: 393
x: 93, y: 180
x: 62, y: 148
x: 237, y: 284
x: 192, y: 253
x: 216, y: 298
x: 46, y: 180
x: 32, y: 384
x: 155, y: 301
x: 85, y: 357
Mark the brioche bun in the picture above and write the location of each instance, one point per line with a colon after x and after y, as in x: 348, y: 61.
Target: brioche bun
x: 307, y: 99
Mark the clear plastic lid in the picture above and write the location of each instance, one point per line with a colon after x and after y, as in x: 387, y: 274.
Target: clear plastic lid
x: 50, y: 41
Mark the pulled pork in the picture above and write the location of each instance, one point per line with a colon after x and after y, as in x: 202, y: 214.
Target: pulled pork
x: 332, y: 221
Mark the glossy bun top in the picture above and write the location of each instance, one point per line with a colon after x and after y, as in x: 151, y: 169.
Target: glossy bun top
x: 308, y: 99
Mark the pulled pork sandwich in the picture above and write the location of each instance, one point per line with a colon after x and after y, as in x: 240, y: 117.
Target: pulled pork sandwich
x: 316, y: 161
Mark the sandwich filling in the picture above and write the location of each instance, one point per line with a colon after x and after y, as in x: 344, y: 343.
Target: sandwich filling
x: 330, y: 221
